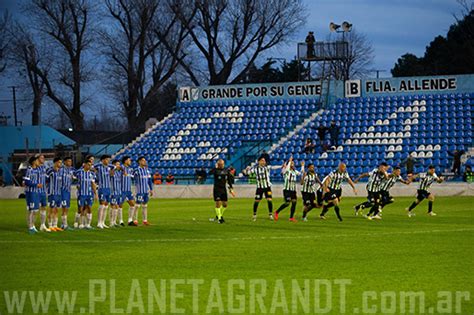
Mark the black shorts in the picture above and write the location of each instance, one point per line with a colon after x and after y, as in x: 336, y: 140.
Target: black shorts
x: 385, y: 196
x: 422, y: 194
x: 289, y: 195
x: 373, y: 196
x: 220, y: 195
x: 263, y: 191
x: 319, y: 197
x: 333, y: 194
x: 308, y: 199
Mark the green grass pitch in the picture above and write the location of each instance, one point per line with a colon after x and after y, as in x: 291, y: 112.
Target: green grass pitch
x: 385, y: 258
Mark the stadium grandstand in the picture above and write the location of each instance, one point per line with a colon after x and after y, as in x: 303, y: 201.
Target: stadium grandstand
x: 374, y: 125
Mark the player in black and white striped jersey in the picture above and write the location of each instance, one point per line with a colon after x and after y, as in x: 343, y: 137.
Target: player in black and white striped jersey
x: 264, y: 186
x: 308, y: 190
x: 290, y: 174
x: 426, y: 180
x: 332, y: 189
x: 388, y: 183
x: 374, y: 186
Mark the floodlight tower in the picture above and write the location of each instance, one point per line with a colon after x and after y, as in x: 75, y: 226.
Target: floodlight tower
x: 346, y: 28
x: 320, y: 51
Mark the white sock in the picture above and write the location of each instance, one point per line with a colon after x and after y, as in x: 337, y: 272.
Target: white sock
x: 64, y: 220
x: 145, y: 213
x: 50, y: 222
x: 131, y: 211
x: 99, y: 214
x: 83, y: 220
x: 31, y: 219
x: 104, y: 214
x: 113, y: 216
x: 55, y: 222
x: 77, y: 218
x: 135, y: 213
x: 43, y: 217
x: 89, y: 219
x: 119, y: 214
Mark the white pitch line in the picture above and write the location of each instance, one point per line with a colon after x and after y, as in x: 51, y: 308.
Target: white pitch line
x: 169, y: 240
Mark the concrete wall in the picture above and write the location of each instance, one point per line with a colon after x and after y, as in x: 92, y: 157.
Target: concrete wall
x: 248, y: 191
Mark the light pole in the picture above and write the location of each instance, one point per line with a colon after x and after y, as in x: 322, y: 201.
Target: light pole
x: 15, y: 116
x: 346, y: 28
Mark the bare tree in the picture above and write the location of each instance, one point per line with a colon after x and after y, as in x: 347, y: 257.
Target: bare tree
x: 5, y: 20
x: 65, y: 28
x: 231, y: 34
x: 359, y: 61
x: 144, y: 48
x: 27, y: 58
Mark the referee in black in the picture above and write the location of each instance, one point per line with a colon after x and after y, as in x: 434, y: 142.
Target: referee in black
x: 222, y: 177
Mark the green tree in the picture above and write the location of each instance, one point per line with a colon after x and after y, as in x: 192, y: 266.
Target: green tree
x: 453, y: 54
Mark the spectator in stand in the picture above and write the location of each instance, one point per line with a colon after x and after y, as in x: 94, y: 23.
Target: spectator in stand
x: 322, y: 130
x: 266, y: 156
x: 309, y: 146
x: 201, y: 176
x: 410, y: 164
x: 456, y: 154
x: 169, y: 179
x: 468, y: 175
x: 334, y: 133
x: 157, y: 178
x: 310, y: 40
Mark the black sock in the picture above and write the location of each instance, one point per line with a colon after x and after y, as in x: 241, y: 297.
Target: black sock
x: 430, y: 206
x: 325, y: 209
x: 413, y: 205
x: 270, y: 206
x: 293, y: 209
x: 336, y: 209
x: 255, y: 207
x: 364, y: 205
x: 375, y: 209
x: 283, y: 206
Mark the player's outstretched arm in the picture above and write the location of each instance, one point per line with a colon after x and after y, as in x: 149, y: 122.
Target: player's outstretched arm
x: 349, y: 180
x: 360, y: 177
x: 318, y: 180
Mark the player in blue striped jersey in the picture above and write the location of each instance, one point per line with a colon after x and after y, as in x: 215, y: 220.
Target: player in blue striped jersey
x: 43, y: 200
x: 103, y: 173
x: 116, y: 192
x: 86, y: 192
x: 54, y: 186
x: 32, y: 185
x: 144, y: 187
x: 67, y: 175
x: 127, y: 194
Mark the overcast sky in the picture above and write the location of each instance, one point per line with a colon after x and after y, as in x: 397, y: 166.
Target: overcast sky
x: 394, y: 27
